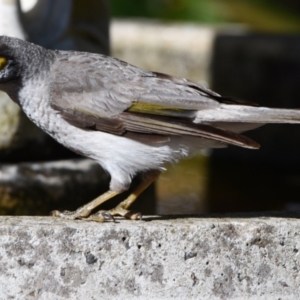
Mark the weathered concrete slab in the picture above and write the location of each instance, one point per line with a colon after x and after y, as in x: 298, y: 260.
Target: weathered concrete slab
x: 159, y: 258
x: 177, y: 49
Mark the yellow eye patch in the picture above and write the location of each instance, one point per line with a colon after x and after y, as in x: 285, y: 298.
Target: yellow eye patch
x: 3, y: 62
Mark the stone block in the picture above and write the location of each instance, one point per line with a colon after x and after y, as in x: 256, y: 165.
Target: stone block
x: 233, y: 257
x: 178, y: 49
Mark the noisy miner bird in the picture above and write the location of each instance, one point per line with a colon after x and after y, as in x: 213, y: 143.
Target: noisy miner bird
x: 127, y: 119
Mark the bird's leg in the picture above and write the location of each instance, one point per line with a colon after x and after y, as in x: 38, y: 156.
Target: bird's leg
x: 85, y: 210
x: 122, y: 208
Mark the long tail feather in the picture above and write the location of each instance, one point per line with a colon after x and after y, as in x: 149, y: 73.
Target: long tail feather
x: 248, y: 114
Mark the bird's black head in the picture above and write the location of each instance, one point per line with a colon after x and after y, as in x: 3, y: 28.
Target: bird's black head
x: 20, y: 61
x: 10, y: 68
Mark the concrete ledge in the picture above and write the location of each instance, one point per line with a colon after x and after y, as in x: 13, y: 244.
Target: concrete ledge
x: 159, y: 258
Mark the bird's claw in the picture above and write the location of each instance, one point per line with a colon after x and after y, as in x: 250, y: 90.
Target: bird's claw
x: 101, y: 217
x: 109, y: 215
x: 131, y: 215
x: 70, y: 215
x: 66, y: 214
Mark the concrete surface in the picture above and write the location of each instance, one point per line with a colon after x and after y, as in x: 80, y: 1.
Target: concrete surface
x: 241, y: 257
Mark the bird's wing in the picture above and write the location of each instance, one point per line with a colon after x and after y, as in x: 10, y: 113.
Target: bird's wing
x: 102, y: 93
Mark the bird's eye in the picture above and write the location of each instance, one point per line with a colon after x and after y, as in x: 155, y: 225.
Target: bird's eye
x: 3, y: 62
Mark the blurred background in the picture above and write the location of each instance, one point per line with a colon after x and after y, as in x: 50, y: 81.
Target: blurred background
x: 249, y: 49
x: 259, y: 15
x: 245, y: 48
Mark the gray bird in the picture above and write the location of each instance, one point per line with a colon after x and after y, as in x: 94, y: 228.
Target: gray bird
x: 127, y: 119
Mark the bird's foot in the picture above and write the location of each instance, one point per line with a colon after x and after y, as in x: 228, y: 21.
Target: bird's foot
x: 80, y: 213
x: 102, y: 216
x: 85, y: 210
